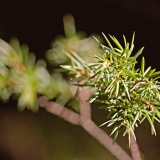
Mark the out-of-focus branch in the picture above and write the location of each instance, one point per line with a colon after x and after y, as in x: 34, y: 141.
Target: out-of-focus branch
x: 84, y: 119
x: 60, y: 111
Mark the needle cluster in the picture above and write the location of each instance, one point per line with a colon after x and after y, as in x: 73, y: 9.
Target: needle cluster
x: 129, y: 95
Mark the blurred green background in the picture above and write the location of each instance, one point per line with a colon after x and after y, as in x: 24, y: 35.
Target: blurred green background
x: 42, y: 136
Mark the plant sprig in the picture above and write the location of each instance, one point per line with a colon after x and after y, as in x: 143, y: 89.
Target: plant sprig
x: 129, y: 95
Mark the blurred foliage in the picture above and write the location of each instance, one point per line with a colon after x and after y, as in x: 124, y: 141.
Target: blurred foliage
x: 25, y: 78
x: 77, y: 42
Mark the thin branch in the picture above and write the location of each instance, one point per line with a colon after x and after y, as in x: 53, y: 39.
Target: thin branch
x: 135, y: 149
x: 60, y: 111
x: 95, y: 131
x: 84, y: 119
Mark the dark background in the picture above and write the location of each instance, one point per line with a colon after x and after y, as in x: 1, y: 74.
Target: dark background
x: 37, y: 24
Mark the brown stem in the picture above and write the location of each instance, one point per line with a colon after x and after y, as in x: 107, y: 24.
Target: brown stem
x: 84, y: 119
x: 134, y: 149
